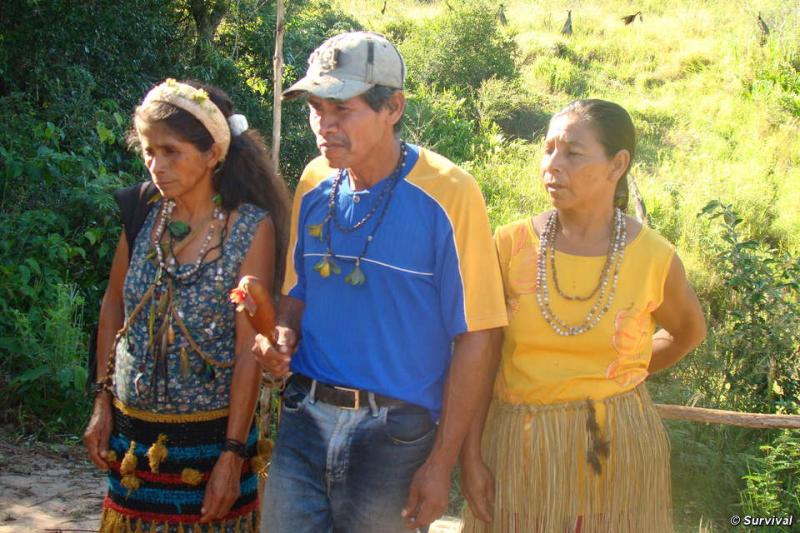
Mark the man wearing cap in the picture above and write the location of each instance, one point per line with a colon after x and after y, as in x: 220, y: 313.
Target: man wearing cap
x: 391, y: 292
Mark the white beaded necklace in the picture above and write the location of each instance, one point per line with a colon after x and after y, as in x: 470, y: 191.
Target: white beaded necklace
x: 171, y: 265
x: 604, y: 297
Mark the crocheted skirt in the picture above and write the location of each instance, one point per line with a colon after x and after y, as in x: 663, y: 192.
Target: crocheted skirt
x: 159, y: 466
x: 581, y: 467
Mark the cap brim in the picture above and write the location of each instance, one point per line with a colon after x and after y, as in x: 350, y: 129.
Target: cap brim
x: 326, y: 87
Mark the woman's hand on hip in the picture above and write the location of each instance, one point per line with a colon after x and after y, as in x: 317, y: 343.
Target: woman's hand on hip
x: 222, y: 488
x: 98, y: 431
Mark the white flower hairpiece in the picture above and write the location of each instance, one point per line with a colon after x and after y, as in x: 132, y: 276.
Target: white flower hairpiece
x: 238, y: 124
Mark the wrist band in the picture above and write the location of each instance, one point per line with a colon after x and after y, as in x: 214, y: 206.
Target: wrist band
x: 100, y: 386
x: 235, y: 446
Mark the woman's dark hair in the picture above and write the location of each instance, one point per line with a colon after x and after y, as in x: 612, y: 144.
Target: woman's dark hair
x: 246, y: 175
x: 615, y: 131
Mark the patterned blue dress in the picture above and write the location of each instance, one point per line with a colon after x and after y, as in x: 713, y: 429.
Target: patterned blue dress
x: 168, y: 433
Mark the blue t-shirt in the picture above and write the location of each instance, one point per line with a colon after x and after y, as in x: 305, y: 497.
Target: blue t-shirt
x: 431, y: 274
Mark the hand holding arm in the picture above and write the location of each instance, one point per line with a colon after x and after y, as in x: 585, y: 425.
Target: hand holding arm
x: 276, y: 359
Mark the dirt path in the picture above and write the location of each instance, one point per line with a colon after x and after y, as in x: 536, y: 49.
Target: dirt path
x: 54, y: 488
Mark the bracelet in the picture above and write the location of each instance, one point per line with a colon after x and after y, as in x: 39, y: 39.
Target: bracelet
x: 99, y: 387
x: 236, y: 446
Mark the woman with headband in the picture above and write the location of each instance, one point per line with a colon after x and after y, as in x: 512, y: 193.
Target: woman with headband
x: 177, y: 383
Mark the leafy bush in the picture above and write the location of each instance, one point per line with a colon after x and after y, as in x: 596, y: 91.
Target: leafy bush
x: 755, y: 336
x: 519, y: 113
x: 58, y: 231
x: 772, y: 485
x: 439, y: 120
x: 749, y: 362
x: 458, y: 50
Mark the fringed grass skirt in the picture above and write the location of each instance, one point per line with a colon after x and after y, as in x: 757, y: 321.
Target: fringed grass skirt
x: 583, y: 467
x: 160, y: 464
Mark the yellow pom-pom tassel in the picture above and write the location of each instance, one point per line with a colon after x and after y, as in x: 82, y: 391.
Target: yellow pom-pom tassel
x: 258, y: 465
x: 111, y: 456
x: 265, y: 448
x: 130, y: 461
x: 157, y: 453
x: 131, y: 482
x: 192, y: 477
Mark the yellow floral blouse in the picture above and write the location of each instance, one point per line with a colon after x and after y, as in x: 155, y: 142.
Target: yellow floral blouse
x: 541, y: 367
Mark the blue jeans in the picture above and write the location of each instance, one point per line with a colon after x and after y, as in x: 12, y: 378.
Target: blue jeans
x: 337, y: 470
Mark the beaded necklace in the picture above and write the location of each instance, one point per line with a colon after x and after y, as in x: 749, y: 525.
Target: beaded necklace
x: 605, y: 294
x: 323, y: 230
x: 170, y: 266
x: 163, y: 304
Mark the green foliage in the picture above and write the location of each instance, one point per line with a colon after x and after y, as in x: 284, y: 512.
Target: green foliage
x: 519, y: 113
x: 46, y: 363
x: 58, y: 232
x: 756, y: 317
x: 459, y: 49
x: 440, y: 121
x: 65, y: 101
x: 777, y: 75
x: 772, y: 484
x: 749, y: 363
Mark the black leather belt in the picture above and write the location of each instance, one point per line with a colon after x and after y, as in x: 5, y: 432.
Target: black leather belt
x: 343, y: 396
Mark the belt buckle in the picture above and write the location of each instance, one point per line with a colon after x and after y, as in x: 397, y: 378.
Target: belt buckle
x: 356, y: 398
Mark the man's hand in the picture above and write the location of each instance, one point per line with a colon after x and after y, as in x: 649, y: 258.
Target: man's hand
x: 275, y: 359
x: 428, y: 495
x: 98, y: 431
x: 222, y: 488
x: 477, y: 485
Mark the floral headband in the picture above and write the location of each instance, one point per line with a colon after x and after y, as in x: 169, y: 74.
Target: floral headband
x: 197, y: 103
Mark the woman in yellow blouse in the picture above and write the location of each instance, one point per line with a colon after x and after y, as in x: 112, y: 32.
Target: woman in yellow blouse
x: 572, y: 437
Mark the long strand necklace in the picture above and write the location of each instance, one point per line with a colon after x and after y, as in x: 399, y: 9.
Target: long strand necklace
x: 324, y: 230
x: 605, y: 292
x: 163, y: 307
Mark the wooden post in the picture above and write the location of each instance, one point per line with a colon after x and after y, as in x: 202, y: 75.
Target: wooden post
x: 731, y: 418
x: 277, y: 85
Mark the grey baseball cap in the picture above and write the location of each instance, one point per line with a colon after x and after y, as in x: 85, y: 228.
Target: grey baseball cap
x: 350, y: 64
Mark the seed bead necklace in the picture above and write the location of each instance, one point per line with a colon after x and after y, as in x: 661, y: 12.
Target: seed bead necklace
x: 170, y: 265
x: 164, y: 314
x: 323, y: 231
x: 605, y: 294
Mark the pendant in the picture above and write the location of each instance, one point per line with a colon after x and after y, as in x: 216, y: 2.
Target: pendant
x: 326, y: 266
x: 315, y: 230
x: 178, y: 229
x: 184, y: 363
x: 356, y: 277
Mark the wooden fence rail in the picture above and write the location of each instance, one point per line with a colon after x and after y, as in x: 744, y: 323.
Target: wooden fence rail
x: 731, y: 418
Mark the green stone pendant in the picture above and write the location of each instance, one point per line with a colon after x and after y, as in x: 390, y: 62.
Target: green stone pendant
x: 356, y: 277
x: 178, y: 229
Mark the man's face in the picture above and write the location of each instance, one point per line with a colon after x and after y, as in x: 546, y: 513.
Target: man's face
x: 348, y: 130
